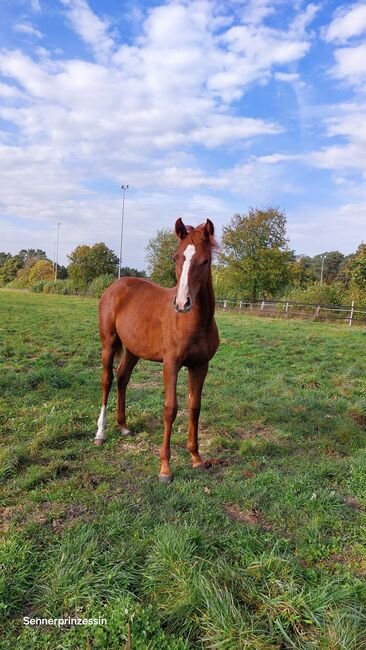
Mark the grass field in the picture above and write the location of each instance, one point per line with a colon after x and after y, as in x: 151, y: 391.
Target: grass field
x: 265, y: 550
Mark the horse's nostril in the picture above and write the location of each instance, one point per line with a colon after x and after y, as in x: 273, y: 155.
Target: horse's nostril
x: 188, y: 303
x: 175, y: 301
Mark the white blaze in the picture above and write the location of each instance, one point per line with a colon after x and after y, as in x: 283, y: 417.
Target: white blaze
x: 182, y: 293
x: 101, y: 424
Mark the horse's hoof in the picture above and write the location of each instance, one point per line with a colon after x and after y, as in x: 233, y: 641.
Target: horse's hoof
x: 126, y: 432
x: 201, y: 467
x: 165, y: 478
x: 98, y: 441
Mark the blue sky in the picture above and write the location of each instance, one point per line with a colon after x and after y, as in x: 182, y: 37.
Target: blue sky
x: 203, y: 108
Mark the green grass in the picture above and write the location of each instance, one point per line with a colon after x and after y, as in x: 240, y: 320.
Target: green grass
x: 266, y: 550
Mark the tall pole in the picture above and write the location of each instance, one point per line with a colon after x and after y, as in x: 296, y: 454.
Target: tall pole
x: 54, y: 257
x: 57, y: 240
x: 322, y: 269
x: 123, y: 188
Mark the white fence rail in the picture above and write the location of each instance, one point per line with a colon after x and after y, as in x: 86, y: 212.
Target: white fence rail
x: 346, y: 313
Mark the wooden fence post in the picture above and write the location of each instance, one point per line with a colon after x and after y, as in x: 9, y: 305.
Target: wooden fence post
x: 286, y: 308
x: 262, y: 305
x: 224, y: 307
x: 317, y: 311
x: 351, y: 314
x: 240, y: 304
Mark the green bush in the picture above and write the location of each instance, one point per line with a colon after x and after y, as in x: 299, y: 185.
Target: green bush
x: 38, y: 286
x: 64, y: 287
x: 99, y: 284
x: 319, y: 294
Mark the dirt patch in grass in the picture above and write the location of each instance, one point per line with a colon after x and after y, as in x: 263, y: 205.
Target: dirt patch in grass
x: 358, y: 417
x: 350, y: 558
x: 220, y: 462
x: 145, y: 384
x: 352, y: 502
x: 6, y: 516
x: 73, y: 514
x: 133, y: 446
x: 252, y: 517
x: 256, y: 430
x: 312, y: 384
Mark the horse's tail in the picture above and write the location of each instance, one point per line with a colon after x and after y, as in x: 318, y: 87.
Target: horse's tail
x: 119, y: 350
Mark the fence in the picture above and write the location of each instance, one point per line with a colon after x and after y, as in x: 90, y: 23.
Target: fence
x: 346, y: 313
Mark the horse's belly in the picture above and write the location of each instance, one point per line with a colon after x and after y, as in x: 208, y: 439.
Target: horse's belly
x: 142, y: 339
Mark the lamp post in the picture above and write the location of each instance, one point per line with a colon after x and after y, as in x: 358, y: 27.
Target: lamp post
x: 322, y: 269
x: 57, y: 240
x: 54, y: 257
x: 123, y: 188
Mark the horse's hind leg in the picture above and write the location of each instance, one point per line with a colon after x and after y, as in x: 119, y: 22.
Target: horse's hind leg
x: 124, y: 371
x: 108, y: 352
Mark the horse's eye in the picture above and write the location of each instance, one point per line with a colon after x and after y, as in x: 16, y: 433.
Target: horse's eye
x: 174, y: 258
x: 205, y: 262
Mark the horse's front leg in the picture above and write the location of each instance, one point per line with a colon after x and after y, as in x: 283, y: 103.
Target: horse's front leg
x: 170, y: 373
x: 196, y: 378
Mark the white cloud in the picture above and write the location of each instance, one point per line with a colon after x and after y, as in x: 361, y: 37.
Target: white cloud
x: 28, y: 29
x: 287, y: 76
x: 350, y: 64
x: 9, y: 92
x: 340, y: 228
x: 91, y: 29
x: 305, y: 18
x: 138, y: 113
x: 36, y: 5
x: 255, y: 11
x: 348, y: 22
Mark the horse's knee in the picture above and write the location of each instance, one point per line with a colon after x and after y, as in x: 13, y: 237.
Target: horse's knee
x: 170, y: 413
x: 194, y: 413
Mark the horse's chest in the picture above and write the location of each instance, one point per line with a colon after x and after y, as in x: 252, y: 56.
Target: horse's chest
x: 199, y: 350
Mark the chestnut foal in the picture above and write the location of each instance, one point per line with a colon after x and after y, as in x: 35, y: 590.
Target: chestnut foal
x: 173, y: 326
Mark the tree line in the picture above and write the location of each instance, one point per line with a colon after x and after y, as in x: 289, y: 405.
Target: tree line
x: 254, y: 262
x: 90, y: 269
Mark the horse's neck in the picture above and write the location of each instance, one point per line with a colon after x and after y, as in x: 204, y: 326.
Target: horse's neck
x: 205, y: 304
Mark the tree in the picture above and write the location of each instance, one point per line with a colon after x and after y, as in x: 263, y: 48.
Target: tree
x: 255, y: 251
x: 9, y: 269
x: 30, y: 256
x: 160, y: 251
x: 344, y: 271
x: 88, y: 262
x: 301, y: 273
x: 41, y: 270
x: 332, y: 263
x: 358, y: 268
x: 4, y: 257
x: 128, y: 272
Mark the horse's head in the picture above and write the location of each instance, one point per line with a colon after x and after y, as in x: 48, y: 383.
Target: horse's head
x: 192, y: 261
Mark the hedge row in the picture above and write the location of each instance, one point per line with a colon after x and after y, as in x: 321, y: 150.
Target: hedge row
x: 68, y: 287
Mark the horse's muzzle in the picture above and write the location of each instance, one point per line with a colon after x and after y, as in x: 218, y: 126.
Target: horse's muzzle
x: 187, y: 305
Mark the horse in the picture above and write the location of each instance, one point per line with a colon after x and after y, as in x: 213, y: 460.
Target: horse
x: 175, y: 327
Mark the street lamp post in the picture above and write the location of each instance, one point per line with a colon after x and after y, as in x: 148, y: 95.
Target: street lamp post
x: 57, y: 240
x: 54, y: 257
x: 123, y: 188
x: 322, y: 269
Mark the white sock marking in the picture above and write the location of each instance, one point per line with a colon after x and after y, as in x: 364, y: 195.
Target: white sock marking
x: 101, y: 424
x: 182, y: 293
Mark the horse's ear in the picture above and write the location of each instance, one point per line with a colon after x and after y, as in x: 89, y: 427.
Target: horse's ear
x: 209, y: 228
x: 180, y: 229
